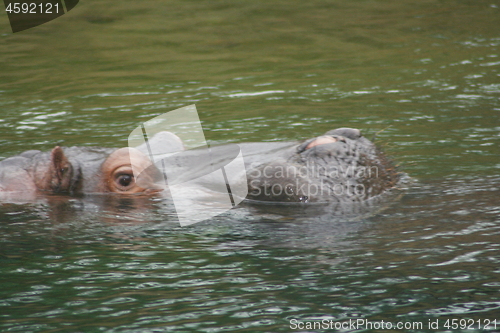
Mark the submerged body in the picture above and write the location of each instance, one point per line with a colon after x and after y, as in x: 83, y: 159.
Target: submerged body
x: 339, y: 166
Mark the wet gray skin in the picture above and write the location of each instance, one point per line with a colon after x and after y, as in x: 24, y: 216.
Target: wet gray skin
x: 341, y: 166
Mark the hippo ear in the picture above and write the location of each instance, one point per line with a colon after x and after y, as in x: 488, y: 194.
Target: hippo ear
x: 57, y: 156
x: 57, y: 159
x: 60, y: 171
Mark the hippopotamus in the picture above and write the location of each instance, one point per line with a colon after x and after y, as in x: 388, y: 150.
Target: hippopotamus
x: 341, y: 165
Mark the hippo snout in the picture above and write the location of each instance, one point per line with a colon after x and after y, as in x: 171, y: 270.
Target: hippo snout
x: 340, y: 165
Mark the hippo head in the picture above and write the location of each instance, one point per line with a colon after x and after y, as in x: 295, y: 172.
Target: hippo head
x: 77, y: 170
x: 340, y: 165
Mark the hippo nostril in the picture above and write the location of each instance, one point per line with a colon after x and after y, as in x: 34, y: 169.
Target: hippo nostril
x: 350, y: 133
x: 340, y: 138
x: 325, y: 139
x: 322, y: 140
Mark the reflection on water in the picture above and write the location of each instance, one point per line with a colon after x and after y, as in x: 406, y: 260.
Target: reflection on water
x: 420, y: 76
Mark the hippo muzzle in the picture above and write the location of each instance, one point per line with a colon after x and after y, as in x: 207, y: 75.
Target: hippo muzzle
x: 340, y: 165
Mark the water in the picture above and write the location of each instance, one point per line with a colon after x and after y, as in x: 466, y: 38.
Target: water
x: 421, y: 75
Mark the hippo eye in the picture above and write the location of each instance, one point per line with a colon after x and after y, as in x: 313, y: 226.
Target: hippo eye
x: 125, y: 180
x: 122, y: 180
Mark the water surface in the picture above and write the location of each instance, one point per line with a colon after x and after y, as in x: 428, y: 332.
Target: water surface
x: 421, y: 76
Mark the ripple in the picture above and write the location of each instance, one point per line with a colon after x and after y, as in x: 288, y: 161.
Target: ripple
x: 251, y: 94
x: 465, y: 308
x: 468, y: 257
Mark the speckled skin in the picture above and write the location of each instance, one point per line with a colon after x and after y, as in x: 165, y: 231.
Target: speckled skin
x: 343, y: 167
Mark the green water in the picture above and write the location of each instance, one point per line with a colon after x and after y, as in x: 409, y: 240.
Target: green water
x: 424, y: 75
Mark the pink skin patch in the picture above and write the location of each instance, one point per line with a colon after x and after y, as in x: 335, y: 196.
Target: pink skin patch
x: 321, y: 141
